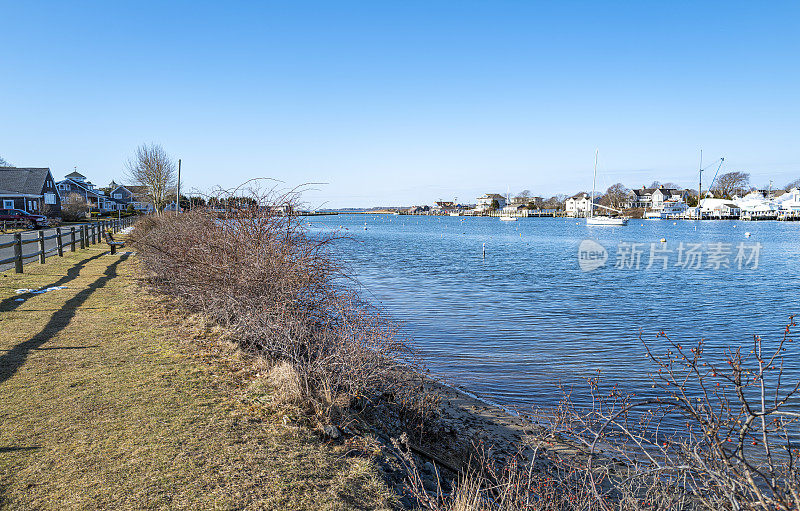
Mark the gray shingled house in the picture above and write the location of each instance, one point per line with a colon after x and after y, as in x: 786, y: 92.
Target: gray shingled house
x: 29, y: 189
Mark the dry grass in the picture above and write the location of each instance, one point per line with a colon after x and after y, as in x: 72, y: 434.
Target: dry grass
x: 104, y: 404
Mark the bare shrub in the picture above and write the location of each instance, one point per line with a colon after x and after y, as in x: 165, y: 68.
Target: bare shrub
x: 736, y: 448
x: 257, y: 272
x: 74, y: 207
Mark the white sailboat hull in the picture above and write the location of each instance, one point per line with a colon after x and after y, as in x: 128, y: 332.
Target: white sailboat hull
x: 508, y: 218
x: 606, y: 220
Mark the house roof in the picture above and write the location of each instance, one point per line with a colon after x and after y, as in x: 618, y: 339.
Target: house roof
x: 76, y: 174
x: 651, y: 191
x: 28, y: 181
x: 83, y: 185
x: 135, y: 189
x: 581, y: 195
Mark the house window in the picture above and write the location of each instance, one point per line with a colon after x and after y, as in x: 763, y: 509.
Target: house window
x: 63, y: 187
x: 8, y: 204
x: 49, y: 198
x: 117, y: 195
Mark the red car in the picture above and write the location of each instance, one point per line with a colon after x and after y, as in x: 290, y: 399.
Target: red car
x: 27, y: 219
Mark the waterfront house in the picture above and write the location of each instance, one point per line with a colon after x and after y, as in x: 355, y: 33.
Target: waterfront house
x: 757, y: 205
x: 514, y: 209
x: 137, y: 196
x: 719, y: 209
x: 579, y: 204
x: 789, y: 205
x: 29, y: 189
x: 654, y: 198
x: 673, y: 208
x: 76, y: 183
x: 485, y: 202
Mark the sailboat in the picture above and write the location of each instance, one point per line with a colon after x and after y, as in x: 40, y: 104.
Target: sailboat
x: 505, y: 216
x: 601, y: 220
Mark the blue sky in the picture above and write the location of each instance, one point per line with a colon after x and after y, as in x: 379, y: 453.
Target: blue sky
x: 404, y: 102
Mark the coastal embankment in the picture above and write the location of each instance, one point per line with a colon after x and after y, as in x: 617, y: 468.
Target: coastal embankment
x: 112, y: 399
x: 225, y: 365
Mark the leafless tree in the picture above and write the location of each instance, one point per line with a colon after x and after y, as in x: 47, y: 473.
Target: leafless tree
x: 74, y: 207
x: 152, y: 167
x: 617, y: 195
x: 524, y: 195
x: 793, y: 184
x: 4, y: 163
x: 555, y: 202
x: 731, y: 183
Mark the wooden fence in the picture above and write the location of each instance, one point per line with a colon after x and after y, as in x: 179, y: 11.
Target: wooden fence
x: 66, y: 238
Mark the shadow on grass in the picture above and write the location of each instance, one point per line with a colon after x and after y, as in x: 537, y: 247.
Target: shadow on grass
x: 11, y: 303
x: 15, y: 449
x: 16, y: 356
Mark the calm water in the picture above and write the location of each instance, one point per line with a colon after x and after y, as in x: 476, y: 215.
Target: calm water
x: 511, y: 326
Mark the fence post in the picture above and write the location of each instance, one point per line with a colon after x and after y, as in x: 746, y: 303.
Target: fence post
x: 59, y: 242
x: 18, y: 252
x: 83, y: 236
x: 41, y: 246
x: 72, y: 239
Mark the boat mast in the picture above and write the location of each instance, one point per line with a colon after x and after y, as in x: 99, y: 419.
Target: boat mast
x: 700, y: 187
x: 594, y: 183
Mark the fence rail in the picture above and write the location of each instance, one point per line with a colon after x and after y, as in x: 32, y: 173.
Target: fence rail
x: 81, y: 235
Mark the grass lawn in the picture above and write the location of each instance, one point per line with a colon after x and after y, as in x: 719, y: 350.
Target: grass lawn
x: 109, y: 400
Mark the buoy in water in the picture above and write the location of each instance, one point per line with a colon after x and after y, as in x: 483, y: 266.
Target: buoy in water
x: 747, y: 234
x: 663, y: 240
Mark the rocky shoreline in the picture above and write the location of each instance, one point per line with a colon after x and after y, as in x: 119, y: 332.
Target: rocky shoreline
x: 464, y: 426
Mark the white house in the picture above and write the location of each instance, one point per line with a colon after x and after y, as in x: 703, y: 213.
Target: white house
x: 578, y: 205
x: 789, y: 204
x: 673, y: 208
x: 654, y: 198
x: 757, y: 206
x: 513, y: 208
x: 719, y: 208
x: 484, y: 202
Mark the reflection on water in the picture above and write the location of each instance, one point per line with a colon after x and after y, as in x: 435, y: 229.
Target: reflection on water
x: 514, y: 325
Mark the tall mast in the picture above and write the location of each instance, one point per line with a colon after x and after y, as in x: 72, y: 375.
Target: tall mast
x: 700, y: 186
x: 594, y: 182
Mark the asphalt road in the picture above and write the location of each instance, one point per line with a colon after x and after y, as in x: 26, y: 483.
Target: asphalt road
x: 32, y: 248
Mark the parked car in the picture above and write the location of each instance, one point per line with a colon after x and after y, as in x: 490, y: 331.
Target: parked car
x: 23, y: 217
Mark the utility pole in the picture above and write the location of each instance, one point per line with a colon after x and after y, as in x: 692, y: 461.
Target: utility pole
x: 178, y: 190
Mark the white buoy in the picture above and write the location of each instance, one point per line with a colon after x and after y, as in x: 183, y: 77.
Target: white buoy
x: 484, y: 250
x: 663, y: 240
x: 747, y: 234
